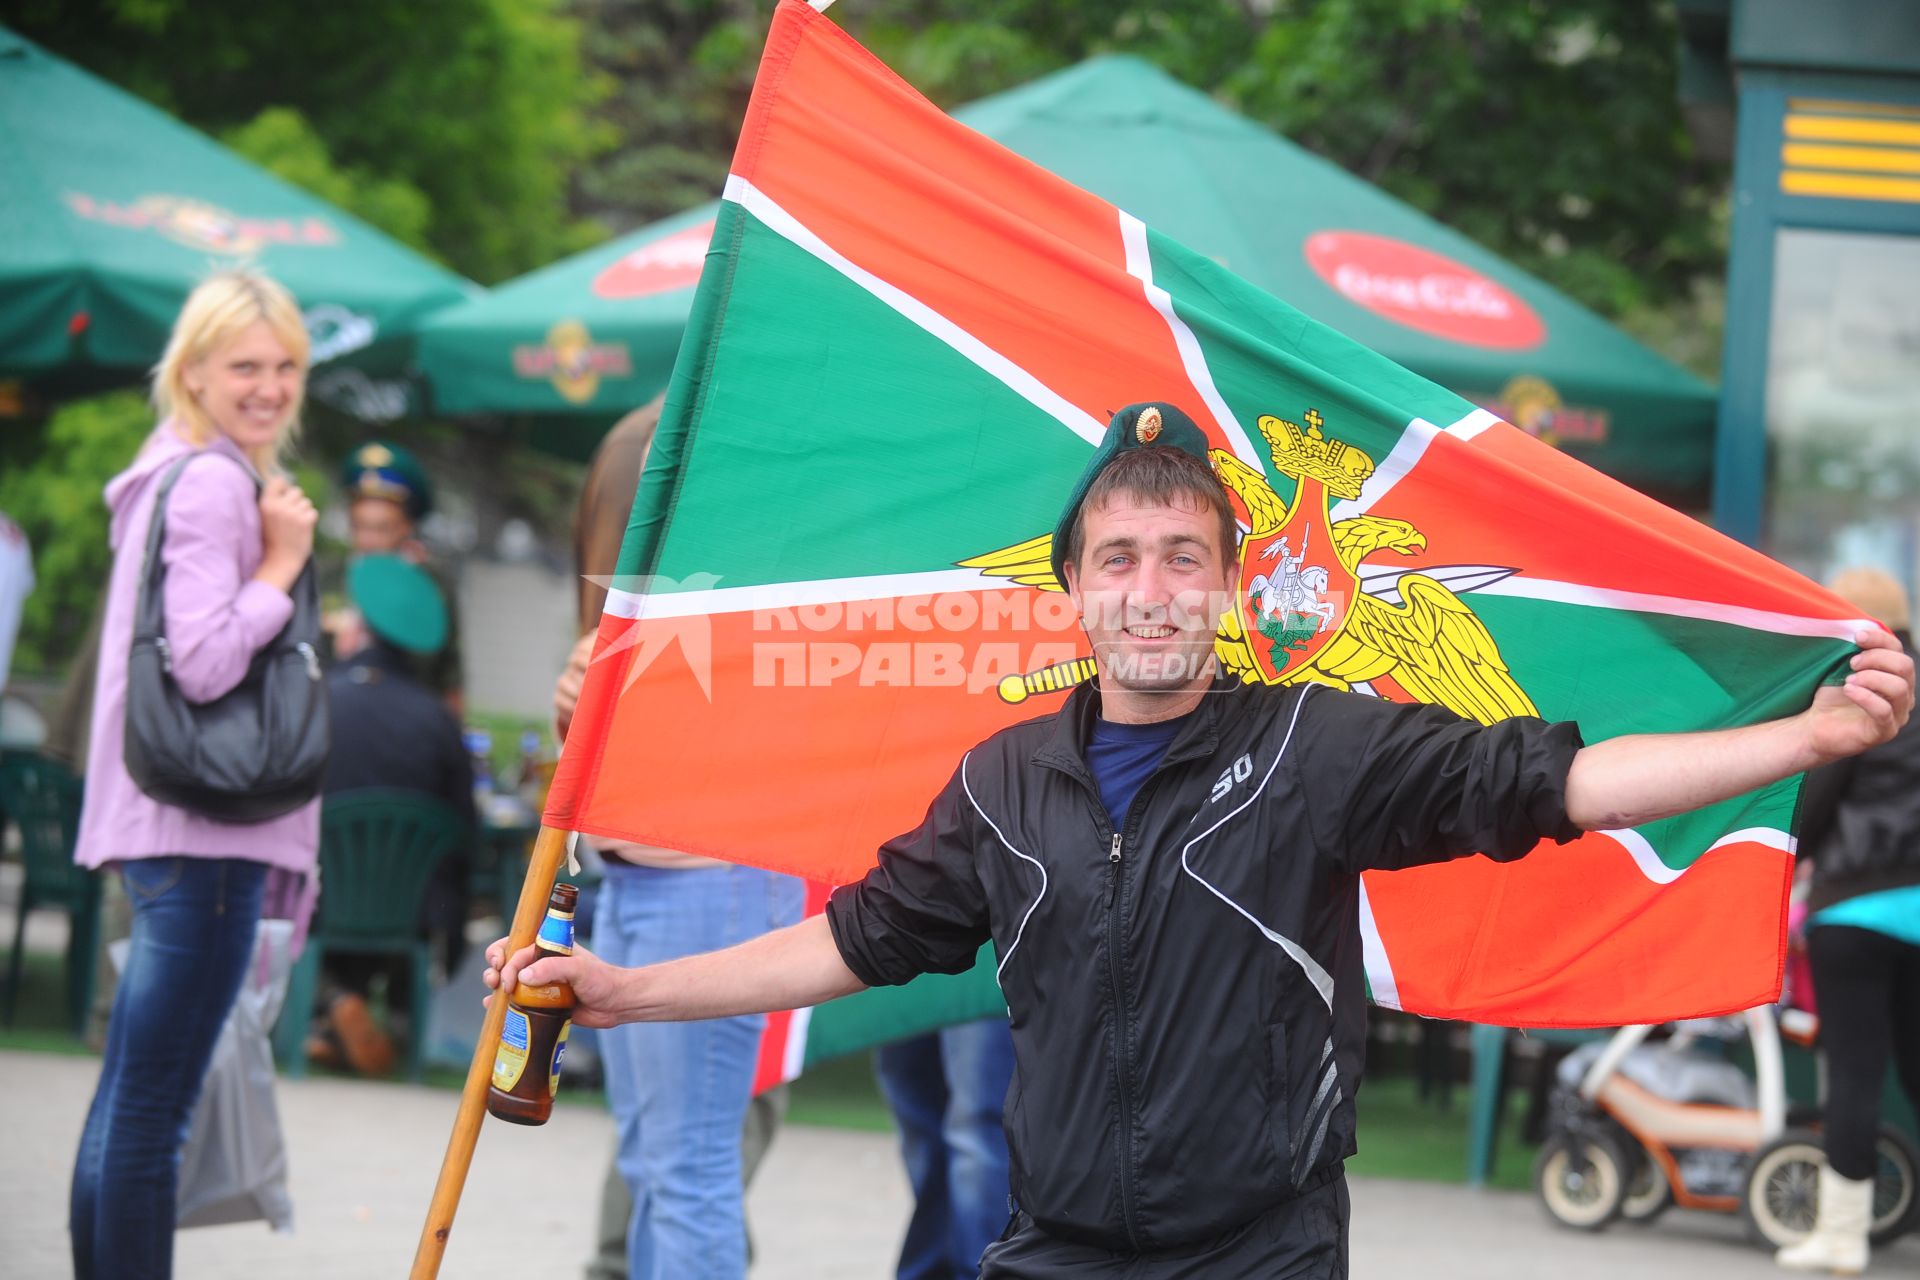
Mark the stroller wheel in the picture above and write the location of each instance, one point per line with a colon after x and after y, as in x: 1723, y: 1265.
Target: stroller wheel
x: 1782, y: 1195
x: 1582, y: 1179
x: 1647, y: 1195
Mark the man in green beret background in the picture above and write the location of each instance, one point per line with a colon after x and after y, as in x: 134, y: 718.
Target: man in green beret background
x: 391, y: 731
x: 388, y: 495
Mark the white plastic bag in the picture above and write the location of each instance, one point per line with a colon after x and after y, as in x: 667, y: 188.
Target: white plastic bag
x: 233, y: 1167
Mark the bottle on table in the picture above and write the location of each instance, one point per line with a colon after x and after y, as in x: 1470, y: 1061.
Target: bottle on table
x: 479, y: 744
x: 529, y: 781
x: 526, y: 1068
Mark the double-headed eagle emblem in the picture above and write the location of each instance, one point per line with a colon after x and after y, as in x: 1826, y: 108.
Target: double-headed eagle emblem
x: 1309, y: 605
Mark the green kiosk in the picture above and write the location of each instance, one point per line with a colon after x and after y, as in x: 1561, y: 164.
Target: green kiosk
x: 1818, y: 460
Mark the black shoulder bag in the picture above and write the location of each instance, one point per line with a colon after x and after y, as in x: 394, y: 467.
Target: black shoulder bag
x: 254, y: 753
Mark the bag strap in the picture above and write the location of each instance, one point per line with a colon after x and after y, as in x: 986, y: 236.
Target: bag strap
x: 150, y: 616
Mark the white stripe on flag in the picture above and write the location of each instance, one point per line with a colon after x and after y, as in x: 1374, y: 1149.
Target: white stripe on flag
x: 1133, y: 234
x: 1660, y: 873
x: 791, y: 595
x: 1373, y: 954
x: 1407, y: 452
x: 1678, y: 607
x: 1022, y: 383
x: 793, y: 1056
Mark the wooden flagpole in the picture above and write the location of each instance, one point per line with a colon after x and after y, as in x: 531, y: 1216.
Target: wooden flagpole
x: 549, y: 851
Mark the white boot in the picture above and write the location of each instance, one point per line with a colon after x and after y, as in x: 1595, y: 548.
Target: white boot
x: 1838, y: 1244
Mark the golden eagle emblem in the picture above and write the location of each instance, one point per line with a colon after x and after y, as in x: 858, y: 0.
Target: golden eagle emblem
x: 1309, y: 605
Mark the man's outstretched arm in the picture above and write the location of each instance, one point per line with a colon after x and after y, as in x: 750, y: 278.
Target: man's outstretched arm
x: 789, y: 968
x: 1623, y: 782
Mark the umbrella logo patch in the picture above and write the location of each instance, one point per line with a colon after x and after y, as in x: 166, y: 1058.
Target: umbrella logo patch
x: 1423, y: 290
x: 205, y: 227
x: 669, y: 263
x: 573, y: 361
x: 1533, y: 405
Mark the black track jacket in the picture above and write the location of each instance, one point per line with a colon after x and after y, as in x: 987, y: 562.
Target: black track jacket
x: 1186, y: 993
x: 1860, y: 818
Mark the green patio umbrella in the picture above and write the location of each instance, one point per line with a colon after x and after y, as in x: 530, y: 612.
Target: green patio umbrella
x: 595, y: 335
x: 111, y: 211
x: 574, y: 344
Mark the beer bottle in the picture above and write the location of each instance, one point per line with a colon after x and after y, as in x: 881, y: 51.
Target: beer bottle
x: 526, y: 1069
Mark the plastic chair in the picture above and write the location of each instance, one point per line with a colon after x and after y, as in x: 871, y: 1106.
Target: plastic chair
x: 378, y: 852
x: 42, y: 798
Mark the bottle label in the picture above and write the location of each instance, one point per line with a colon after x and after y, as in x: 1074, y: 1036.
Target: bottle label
x: 556, y: 932
x: 510, y: 1063
x: 559, y: 1054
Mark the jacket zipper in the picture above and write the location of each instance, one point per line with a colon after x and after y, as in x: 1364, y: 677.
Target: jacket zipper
x: 1122, y: 1027
x: 1123, y: 1083
x: 1122, y: 1079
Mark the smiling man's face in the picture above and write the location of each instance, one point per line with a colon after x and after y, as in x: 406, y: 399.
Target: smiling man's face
x: 1151, y: 583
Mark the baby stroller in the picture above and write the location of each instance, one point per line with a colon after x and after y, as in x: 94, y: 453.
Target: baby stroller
x: 1639, y: 1127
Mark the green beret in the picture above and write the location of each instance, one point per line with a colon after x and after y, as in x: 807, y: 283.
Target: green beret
x: 1138, y: 426
x: 381, y: 470
x: 400, y: 602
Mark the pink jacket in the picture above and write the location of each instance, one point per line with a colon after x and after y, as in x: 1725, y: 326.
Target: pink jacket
x: 217, y: 618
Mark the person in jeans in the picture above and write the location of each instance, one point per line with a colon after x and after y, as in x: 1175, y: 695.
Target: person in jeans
x: 688, y: 1129
x: 228, y: 393
x: 947, y: 1090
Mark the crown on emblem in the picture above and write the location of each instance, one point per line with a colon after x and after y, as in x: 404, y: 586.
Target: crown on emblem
x: 1304, y: 452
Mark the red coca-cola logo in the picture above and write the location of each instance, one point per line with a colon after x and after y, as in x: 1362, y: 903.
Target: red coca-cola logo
x: 671, y: 262
x: 1423, y: 290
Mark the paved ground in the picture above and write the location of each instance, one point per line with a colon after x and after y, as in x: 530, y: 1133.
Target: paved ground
x: 829, y: 1204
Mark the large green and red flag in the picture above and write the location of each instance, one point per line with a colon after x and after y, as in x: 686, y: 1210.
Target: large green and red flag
x: 907, y: 341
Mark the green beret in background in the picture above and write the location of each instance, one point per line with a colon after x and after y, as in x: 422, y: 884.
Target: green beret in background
x: 381, y: 470
x: 400, y: 602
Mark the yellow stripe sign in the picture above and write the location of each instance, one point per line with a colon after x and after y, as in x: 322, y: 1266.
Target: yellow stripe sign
x: 1851, y: 150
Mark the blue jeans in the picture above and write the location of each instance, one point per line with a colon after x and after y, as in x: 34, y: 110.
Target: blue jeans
x: 679, y: 1091
x: 193, y: 927
x: 948, y: 1090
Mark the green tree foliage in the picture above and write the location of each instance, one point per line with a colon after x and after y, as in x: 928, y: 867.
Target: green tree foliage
x: 679, y: 74
x: 1551, y: 133
x: 455, y: 125
x: 57, y: 502
x: 279, y: 139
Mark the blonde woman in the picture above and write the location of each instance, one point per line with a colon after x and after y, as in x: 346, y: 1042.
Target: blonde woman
x: 228, y: 393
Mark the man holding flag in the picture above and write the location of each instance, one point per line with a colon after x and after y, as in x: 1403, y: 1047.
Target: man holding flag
x: 1169, y: 867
